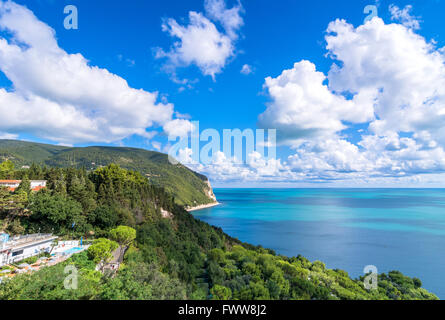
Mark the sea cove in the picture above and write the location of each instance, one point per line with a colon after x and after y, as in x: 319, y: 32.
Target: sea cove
x: 393, y: 229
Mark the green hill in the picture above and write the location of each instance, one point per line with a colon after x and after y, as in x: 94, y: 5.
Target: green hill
x: 174, y: 256
x: 25, y: 153
x: 188, y: 187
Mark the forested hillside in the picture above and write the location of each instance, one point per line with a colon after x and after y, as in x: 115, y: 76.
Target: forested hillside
x: 188, y: 187
x: 173, y: 257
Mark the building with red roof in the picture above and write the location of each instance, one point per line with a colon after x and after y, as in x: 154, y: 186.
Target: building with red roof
x: 36, y: 185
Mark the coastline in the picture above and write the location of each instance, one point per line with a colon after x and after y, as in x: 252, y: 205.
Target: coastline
x: 202, y: 206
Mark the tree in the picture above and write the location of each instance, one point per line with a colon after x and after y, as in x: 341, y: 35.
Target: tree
x: 101, y: 250
x: 56, y: 212
x: 35, y: 172
x: 82, y: 191
x: 417, y: 283
x: 54, y: 244
x: 6, y: 169
x: 123, y: 235
x: 216, y: 255
x: 14, y: 206
x: 15, y: 227
x: 25, y: 186
x: 221, y: 293
x: 5, y: 199
x: 103, y: 217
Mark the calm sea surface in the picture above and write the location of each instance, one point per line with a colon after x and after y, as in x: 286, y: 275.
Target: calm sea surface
x: 393, y: 229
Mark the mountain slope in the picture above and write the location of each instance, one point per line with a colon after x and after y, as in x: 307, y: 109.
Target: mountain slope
x: 24, y: 152
x: 188, y: 187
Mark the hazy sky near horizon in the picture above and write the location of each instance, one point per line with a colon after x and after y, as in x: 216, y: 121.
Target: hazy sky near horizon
x: 353, y: 103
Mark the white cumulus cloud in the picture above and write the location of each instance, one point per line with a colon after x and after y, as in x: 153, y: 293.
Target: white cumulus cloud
x: 223, y: 168
x: 384, y: 77
x: 230, y: 19
x: 246, y: 69
x: 303, y: 106
x: 404, y: 16
x: 406, y: 72
x: 200, y: 42
x: 60, y: 96
x: 178, y: 128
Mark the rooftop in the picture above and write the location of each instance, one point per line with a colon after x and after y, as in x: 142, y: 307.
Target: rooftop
x: 13, y: 184
x: 23, y: 241
x: 10, y: 181
x: 18, y: 181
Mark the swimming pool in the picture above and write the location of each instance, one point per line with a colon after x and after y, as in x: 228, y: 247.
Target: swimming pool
x: 72, y: 250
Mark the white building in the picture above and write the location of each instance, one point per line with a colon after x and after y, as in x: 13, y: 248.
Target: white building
x: 22, y: 247
x: 11, y: 184
x: 37, y: 185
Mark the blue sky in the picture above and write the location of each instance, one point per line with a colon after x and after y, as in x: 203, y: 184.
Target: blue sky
x: 123, y: 38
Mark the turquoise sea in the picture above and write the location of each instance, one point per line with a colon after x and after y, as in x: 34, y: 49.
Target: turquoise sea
x: 392, y: 229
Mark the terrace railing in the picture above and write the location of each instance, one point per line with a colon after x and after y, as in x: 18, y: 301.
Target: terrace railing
x: 18, y: 240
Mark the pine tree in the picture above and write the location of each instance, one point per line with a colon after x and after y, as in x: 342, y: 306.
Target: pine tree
x: 25, y: 186
x: 6, y: 169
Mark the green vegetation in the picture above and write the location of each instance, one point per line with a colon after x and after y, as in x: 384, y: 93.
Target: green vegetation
x: 32, y: 260
x: 79, y: 203
x: 101, y: 250
x: 245, y: 274
x: 123, y: 235
x: 189, y: 188
x: 15, y: 205
x: 6, y: 169
x: 167, y: 258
